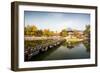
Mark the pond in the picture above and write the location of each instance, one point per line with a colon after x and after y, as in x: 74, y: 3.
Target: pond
x: 77, y: 50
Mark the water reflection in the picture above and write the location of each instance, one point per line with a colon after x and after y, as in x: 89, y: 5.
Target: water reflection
x: 67, y: 50
x: 87, y: 45
x: 71, y: 45
x: 44, y: 55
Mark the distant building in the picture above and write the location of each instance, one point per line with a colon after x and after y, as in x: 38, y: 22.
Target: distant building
x: 75, y: 33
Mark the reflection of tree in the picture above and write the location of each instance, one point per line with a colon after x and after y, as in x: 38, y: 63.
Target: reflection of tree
x: 87, y: 45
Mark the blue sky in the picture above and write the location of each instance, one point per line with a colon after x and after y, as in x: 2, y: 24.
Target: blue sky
x: 56, y: 21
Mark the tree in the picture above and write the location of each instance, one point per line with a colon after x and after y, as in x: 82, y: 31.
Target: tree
x: 46, y: 32
x: 38, y: 33
x: 30, y: 30
x: 51, y: 33
x: 87, y: 31
x: 63, y: 33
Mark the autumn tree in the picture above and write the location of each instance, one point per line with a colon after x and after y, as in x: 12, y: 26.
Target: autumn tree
x: 30, y: 30
x: 38, y: 33
x: 63, y: 33
x: 46, y: 32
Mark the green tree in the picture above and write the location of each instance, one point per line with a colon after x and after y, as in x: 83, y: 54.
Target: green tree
x: 87, y: 31
x: 63, y: 33
x: 46, y: 32
x: 30, y: 30
x: 52, y: 33
x: 38, y: 33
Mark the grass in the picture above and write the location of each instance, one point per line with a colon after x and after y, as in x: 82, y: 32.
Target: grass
x: 74, y: 40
